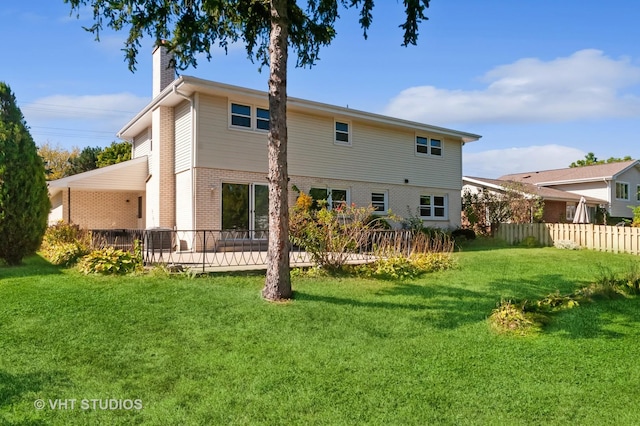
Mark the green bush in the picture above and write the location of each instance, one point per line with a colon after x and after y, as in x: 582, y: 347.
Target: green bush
x: 530, y: 242
x: 64, y: 244
x: 510, y: 317
x: 406, y: 267
x: 66, y: 254
x: 109, y: 261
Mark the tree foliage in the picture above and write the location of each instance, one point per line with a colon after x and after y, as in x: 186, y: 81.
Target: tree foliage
x: 513, y: 205
x: 24, y: 199
x: 190, y: 28
x: 590, y: 159
x: 57, y: 160
x: 115, y: 153
x: 85, y: 161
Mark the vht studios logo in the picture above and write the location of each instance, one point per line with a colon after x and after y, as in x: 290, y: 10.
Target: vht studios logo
x: 88, y: 404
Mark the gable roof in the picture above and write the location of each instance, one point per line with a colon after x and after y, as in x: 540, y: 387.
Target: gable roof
x: 185, y: 86
x: 545, y: 193
x: 596, y: 172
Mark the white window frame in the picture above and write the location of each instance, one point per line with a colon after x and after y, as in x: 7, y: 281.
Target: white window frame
x: 330, y: 205
x: 253, y: 117
x: 385, y: 201
x: 428, y: 144
x: 432, y: 207
x: 336, y: 131
x: 625, y: 184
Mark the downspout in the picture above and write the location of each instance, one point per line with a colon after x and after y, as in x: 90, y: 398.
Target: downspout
x: 193, y: 152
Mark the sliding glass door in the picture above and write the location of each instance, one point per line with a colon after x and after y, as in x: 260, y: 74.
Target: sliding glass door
x: 245, y: 207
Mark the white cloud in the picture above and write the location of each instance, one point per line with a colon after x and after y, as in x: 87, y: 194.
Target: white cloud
x: 118, y: 106
x: 586, y: 84
x: 498, y: 162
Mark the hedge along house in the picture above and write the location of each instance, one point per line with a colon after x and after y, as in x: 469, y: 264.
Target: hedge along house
x: 204, y: 145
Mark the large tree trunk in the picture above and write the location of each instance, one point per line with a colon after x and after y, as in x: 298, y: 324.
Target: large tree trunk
x: 278, y: 282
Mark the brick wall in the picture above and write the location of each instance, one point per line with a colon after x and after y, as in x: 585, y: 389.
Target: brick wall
x: 103, y: 209
x: 402, y: 199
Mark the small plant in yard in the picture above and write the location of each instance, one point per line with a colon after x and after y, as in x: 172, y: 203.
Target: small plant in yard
x: 406, y: 267
x: 109, y: 261
x: 530, y: 242
x: 566, y: 245
x: 510, y: 317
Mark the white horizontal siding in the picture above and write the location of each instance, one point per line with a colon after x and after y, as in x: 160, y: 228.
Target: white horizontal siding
x: 221, y: 147
x: 142, y: 144
x: 377, y: 154
x: 182, y: 137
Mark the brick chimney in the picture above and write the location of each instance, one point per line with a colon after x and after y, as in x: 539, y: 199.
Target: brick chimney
x: 163, y: 72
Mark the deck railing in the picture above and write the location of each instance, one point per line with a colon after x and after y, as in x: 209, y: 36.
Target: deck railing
x: 240, y: 248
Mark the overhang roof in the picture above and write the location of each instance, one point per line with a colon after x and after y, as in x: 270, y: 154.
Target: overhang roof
x: 545, y: 193
x: 185, y: 86
x: 126, y: 176
x: 598, y: 172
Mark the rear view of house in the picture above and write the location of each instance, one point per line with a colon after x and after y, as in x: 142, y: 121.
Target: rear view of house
x: 200, y: 162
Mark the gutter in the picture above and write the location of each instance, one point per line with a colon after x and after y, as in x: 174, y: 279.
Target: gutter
x: 192, y: 114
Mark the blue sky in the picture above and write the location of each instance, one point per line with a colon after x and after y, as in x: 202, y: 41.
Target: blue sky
x: 543, y: 82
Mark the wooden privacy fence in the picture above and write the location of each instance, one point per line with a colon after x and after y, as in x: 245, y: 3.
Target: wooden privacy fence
x: 614, y: 239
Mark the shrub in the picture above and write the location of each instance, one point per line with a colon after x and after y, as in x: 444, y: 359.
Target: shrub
x: 108, y: 261
x: 530, y: 242
x: 329, y: 236
x: 566, y: 245
x: 66, y: 254
x: 509, y: 317
x: 64, y: 244
x: 406, y: 267
x: 466, y: 233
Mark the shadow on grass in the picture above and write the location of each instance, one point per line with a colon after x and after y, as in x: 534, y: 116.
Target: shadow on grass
x: 529, y: 289
x: 441, y: 307
x: 602, y: 318
x: 31, y: 266
x: 14, y: 387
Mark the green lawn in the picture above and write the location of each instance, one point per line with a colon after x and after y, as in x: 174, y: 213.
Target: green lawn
x: 209, y: 351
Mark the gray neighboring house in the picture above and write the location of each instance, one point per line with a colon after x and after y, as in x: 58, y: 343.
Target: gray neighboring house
x: 614, y: 187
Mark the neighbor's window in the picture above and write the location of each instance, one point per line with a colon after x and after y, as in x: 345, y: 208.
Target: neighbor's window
x: 433, y: 206
x: 241, y: 115
x: 262, y: 119
x: 638, y: 193
x: 428, y: 146
x: 571, y: 212
x: 379, y: 202
x: 622, y: 191
x: 342, y: 133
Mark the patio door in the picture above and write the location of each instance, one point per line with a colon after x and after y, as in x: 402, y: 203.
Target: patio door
x: 245, y: 209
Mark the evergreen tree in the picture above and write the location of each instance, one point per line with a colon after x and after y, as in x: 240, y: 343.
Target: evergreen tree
x: 24, y: 199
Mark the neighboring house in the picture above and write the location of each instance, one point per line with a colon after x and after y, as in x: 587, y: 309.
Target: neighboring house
x: 614, y: 187
x: 559, y: 206
x: 200, y: 162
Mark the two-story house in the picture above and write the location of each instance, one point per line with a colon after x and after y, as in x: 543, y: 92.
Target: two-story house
x: 200, y: 162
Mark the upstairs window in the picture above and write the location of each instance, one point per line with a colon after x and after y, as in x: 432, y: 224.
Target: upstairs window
x: 241, y: 115
x: 248, y: 117
x: 428, y: 146
x: 622, y: 191
x: 638, y: 193
x: 342, y: 134
x: 262, y: 119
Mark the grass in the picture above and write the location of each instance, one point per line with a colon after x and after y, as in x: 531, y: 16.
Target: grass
x: 345, y: 351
